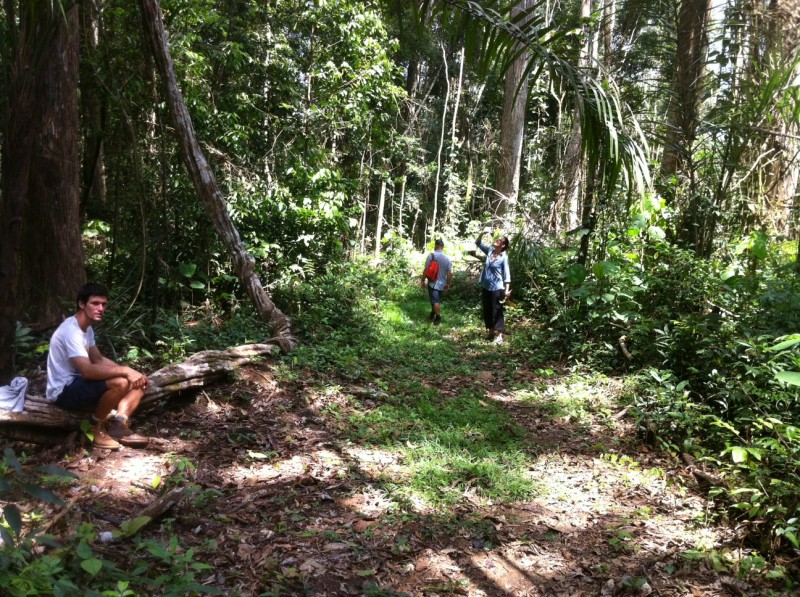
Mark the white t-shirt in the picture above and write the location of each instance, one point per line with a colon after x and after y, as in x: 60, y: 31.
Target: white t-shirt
x: 68, y: 341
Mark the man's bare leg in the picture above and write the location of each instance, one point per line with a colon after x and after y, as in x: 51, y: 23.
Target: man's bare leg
x: 117, y: 393
x: 125, y: 400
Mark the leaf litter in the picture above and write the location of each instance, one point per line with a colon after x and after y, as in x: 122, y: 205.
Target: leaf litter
x: 286, y: 503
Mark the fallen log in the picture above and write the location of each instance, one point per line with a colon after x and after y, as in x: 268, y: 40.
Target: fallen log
x: 200, y: 370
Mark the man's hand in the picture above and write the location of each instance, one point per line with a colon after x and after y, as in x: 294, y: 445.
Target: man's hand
x: 137, y: 380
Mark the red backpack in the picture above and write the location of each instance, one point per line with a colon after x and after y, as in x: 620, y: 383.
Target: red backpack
x: 432, y: 271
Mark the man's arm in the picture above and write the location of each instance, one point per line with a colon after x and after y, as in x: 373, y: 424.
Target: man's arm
x: 98, y: 367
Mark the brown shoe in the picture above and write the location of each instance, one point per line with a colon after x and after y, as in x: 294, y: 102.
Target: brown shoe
x: 101, y: 439
x: 119, y: 430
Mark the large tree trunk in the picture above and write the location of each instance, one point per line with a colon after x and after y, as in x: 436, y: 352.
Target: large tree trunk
x: 687, y: 85
x: 783, y: 174
x: 38, y: 22
x: 512, y: 129
x: 205, y: 183
x: 52, y: 253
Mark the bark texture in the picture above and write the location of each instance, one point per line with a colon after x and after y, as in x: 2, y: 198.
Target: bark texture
x: 687, y: 85
x: 51, y: 252
x: 205, y: 183
x: 512, y: 130
x: 37, y: 25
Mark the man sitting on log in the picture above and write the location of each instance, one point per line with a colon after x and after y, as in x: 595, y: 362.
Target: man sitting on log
x: 80, y: 378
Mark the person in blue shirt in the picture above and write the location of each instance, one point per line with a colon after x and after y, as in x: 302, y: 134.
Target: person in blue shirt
x: 442, y: 282
x: 495, y: 284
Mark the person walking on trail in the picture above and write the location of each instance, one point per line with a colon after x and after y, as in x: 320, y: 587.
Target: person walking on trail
x: 495, y: 284
x: 80, y: 378
x: 438, y: 284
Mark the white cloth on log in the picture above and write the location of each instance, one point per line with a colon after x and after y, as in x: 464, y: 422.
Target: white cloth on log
x: 12, y: 396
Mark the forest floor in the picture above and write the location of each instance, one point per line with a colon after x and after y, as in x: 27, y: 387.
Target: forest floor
x: 309, y: 477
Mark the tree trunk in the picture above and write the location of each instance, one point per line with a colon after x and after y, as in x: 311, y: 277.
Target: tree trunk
x: 432, y: 229
x: 687, y: 85
x: 21, y: 123
x: 94, y: 171
x: 572, y: 177
x: 205, y: 183
x: 402, y: 205
x: 379, y: 223
x: 512, y: 130
x: 454, y: 207
x: 54, y: 270
x: 609, y: 16
x: 588, y: 218
x: 783, y: 174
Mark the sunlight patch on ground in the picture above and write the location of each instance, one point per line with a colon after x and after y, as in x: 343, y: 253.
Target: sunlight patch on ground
x: 138, y: 471
x: 283, y: 470
x: 371, y: 503
x: 543, y: 563
x: 373, y: 458
x: 322, y: 465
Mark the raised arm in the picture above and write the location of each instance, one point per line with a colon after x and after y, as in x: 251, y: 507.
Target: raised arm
x: 481, y: 246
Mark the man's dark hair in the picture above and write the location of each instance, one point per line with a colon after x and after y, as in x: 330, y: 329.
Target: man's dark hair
x: 88, y: 290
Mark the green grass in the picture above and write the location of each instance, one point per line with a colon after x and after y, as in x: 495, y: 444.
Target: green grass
x: 452, y: 439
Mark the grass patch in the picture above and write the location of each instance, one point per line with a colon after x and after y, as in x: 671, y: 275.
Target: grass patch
x: 433, y: 412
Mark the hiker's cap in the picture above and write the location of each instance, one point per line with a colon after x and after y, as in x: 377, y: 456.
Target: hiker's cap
x: 438, y: 242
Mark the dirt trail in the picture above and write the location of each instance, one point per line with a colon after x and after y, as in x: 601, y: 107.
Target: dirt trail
x: 287, y: 506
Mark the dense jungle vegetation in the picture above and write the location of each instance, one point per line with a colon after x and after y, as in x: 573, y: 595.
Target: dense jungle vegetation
x: 642, y: 155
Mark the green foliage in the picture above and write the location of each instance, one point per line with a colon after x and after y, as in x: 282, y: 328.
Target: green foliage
x: 452, y: 445
x: 16, y: 482
x: 341, y: 303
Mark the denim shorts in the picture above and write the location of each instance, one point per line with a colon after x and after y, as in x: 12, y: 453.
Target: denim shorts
x: 435, y: 295
x: 82, y: 394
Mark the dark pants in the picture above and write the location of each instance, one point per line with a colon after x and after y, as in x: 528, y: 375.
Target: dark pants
x: 493, y: 309
x: 82, y: 394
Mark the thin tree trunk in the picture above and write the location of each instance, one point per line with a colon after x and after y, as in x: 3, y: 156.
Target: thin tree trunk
x: 379, y: 224
x: 453, y: 202
x: 441, y: 146
x: 94, y: 174
x: 588, y: 218
x: 205, y: 183
x: 567, y: 204
x: 365, y: 209
x: 609, y: 16
x: 402, y: 201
